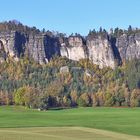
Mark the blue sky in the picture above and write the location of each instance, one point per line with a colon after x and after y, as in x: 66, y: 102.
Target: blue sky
x: 72, y: 15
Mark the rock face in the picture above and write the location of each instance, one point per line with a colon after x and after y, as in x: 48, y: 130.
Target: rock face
x: 103, y: 51
x: 51, y: 46
x: 74, y: 50
x: 129, y: 46
x: 34, y: 48
x: 8, y: 44
x: 64, y: 69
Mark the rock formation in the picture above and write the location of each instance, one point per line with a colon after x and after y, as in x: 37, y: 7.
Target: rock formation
x: 74, y: 49
x: 129, y: 46
x: 35, y: 48
x: 7, y: 43
x: 103, y: 51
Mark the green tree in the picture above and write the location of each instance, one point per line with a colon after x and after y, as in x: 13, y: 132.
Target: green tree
x: 133, y: 74
x: 109, y: 99
x: 19, y: 96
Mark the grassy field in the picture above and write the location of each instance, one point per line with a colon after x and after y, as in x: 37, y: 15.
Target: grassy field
x: 70, y: 124
x: 62, y: 133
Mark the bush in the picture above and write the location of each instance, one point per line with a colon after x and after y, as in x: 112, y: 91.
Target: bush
x: 84, y: 100
x: 46, y: 102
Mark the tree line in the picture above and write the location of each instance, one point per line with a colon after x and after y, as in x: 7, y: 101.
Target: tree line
x: 84, y: 84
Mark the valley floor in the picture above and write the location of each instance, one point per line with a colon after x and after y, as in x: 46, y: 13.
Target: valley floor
x: 18, y: 123
x: 62, y: 133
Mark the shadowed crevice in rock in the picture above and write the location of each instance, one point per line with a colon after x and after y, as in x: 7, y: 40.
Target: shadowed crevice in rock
x: 20, y: 41
x: 115, y: 50
x: 2, y: 52
x: 51, y: 47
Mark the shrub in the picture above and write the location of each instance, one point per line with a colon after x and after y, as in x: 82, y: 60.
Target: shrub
x: 84, y: 100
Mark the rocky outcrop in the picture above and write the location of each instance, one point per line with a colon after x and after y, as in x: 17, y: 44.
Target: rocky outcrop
x: 128, y: 46
x: 103, y: 51
x: 74, y: 49
x: 100, y: 52
x: 34, y: 48
x: 7, y: 43
x: 16, y: 45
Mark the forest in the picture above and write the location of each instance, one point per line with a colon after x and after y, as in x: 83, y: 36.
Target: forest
x: 66, y: 83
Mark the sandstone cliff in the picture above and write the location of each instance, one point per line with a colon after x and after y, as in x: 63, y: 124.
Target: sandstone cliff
x: 128, y: 46
x: 103, y: 51
x: 74, y: 49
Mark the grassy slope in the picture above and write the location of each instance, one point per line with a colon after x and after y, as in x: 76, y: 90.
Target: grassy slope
x: 61, y: 133
x: 124, y: 120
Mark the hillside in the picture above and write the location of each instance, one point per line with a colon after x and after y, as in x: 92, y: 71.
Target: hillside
x: 42, y: 69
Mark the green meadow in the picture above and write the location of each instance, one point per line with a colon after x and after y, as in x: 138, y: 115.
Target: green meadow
x: 18, y: 123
